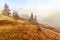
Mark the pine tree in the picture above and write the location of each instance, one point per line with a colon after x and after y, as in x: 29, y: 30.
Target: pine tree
x: 15, y: 14
x: 6, y: 10
x: 35, y: 18
x: 31, y: 17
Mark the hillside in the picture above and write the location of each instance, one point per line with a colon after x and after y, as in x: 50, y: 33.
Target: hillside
x: 11, y: 29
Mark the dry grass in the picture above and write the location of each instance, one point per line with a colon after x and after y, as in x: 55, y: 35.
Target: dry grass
x: 21, y: 30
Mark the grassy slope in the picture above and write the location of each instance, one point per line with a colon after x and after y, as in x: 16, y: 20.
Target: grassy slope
x: 11, y: 29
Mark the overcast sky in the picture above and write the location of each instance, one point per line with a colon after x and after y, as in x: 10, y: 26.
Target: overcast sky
x: 43, y: 4
x: 44, y: 7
